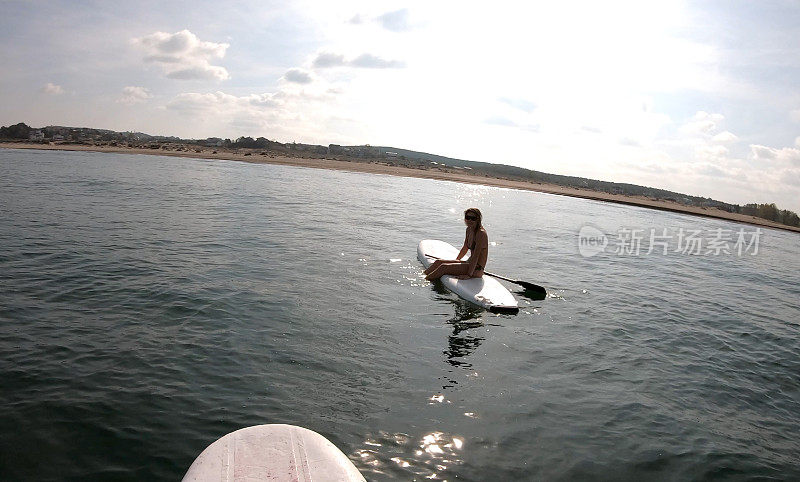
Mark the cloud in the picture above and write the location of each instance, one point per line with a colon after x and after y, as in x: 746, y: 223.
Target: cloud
x: 791, y: 177
x: 785, y: 155
x: 220, y: 102
x: 224, y: 113
x: 702, y: 123
x: 396, y: 21
x: 367, y: 61
x: 326, y: 59
x: 762, y: 153
x: 521, y: 104
x: 298, y: 76
x: 795, y: 115
x: 134, y: 95
x: 725, y: 137
x: 52, y: 89
x: 711, y: 152
x: 183, y: 56
x: 713, y: 171
x: 301, y: 112
x: 209, y: 72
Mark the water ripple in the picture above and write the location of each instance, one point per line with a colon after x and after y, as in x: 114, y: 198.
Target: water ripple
x: 150, y: 305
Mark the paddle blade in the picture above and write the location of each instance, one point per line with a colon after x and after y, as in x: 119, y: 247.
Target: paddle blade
x: 504, y: 310
x: 532, y: 287
x: 532, y: 295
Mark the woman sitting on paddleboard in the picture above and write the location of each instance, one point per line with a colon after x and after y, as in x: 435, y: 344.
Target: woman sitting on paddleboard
x: 476, y: 241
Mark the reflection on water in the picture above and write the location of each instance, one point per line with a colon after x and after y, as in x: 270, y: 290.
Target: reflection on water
x: 465, y: 311
x: 439, y: 288
x: 463, y: 342
x: 464, y: 339
x: 397, y: 455
x: 433, y: 455
x: 439, y: 450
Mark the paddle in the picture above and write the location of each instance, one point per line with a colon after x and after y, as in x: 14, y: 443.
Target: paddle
x: 524, y: 284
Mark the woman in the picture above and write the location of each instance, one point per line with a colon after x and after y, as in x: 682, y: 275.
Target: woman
x: 476, y: 241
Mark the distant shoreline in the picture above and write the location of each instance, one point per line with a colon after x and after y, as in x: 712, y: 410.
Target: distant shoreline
x: 437, y: 173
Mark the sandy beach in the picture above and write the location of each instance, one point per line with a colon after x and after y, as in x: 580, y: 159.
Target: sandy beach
x: 379, y: 167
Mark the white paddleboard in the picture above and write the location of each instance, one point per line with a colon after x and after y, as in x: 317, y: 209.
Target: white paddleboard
x: 485, y: 291
x: 272, y: 452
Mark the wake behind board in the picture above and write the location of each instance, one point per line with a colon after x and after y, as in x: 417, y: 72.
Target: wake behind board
x: 485, y: 291
x: 275, y: 453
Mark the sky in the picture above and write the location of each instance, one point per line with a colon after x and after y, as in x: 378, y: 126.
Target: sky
x: 696, y: 97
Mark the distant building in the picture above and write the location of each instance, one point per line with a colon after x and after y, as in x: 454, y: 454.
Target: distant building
x: 36, y: 135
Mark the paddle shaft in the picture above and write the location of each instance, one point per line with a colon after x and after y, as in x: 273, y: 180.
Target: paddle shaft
x: 524, y: 284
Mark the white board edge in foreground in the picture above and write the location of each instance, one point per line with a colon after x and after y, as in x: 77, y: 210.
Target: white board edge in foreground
x: 274, y: 452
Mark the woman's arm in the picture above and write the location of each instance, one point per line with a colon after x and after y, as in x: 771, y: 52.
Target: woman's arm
x: 464, y: 248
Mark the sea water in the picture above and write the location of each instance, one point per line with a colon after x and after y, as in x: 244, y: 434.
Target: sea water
x: 149, y: 305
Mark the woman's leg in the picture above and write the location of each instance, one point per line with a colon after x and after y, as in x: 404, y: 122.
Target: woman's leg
x: 433, y: 266
x: 438, y: 263
x: 449, y: 268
